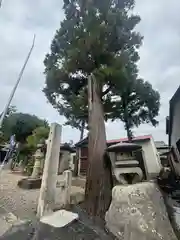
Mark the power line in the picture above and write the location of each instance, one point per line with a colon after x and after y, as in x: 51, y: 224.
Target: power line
x: 16, y: 84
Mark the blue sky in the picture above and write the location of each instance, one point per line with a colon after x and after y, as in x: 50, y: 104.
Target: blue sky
x: 159, y: 64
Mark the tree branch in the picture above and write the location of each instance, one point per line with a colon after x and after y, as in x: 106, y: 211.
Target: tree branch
x: 106, y: 91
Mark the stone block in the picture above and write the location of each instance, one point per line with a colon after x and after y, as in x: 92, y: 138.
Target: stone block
x: 77, y: 195
x: 138, y: 212
x: 59, y: 219
x: 30, y: 183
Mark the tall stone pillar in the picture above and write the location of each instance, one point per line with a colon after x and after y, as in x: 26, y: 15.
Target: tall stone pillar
x: 48, y: 187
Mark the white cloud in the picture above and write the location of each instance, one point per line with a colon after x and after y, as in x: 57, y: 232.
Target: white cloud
x: 159, y: 62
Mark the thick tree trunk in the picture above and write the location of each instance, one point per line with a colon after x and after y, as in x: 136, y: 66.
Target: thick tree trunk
x: 129, y: 133
x: 99, y: 177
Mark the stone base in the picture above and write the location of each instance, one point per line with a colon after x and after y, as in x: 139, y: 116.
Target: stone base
x: 30, y: 183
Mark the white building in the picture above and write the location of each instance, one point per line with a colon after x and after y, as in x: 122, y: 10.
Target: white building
x: 173, y: 121
x: 151, y: 156
x: 173, y: 130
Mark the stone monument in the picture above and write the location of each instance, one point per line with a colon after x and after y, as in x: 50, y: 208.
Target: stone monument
x: 39, y: 157
x: 138, y: 212
x: 47, y: 196
x: 34, y: 181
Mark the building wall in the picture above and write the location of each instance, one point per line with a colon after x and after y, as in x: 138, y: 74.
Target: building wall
x: 72, y: 161
x: 83, y: 161
x: 151, y: 157
x: 175, y: 134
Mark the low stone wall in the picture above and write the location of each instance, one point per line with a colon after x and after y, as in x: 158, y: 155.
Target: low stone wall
x: 79, y: 182
x: 138, y: 212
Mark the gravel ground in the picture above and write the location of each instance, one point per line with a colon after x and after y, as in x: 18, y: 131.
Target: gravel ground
x: 22, y: 203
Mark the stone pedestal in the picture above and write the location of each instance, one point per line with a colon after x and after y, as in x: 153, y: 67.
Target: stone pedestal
x: 34, y: 182
x: 138, y: 212
x: 30, y: 183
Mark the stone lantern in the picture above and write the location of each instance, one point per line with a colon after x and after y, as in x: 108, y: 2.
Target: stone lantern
x: 34, y: 182
x: 39, y: 157
x: 126, y: 167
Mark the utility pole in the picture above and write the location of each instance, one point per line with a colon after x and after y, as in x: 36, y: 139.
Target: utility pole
x: 0, y: 3
x: 17, y: 83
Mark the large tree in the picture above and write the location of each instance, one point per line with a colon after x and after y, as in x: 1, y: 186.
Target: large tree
x: 22, y: 125
x: 39, y: 135
x: 3, y: 137
x: 97, y: 37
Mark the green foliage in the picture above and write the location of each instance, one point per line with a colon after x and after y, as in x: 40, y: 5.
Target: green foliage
x: 39, y: 135
x: 22, y: 125
x: 98, y: 37
x: 138, y: 103
x: 11, y: 110
x: 95, y: 37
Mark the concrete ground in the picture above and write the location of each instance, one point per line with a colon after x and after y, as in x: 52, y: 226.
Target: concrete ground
x: 22, y: 203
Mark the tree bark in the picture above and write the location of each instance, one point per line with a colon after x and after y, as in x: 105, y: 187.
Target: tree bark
x: 129, y: 133
x: 99, y: 177
x: 126, y: 120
